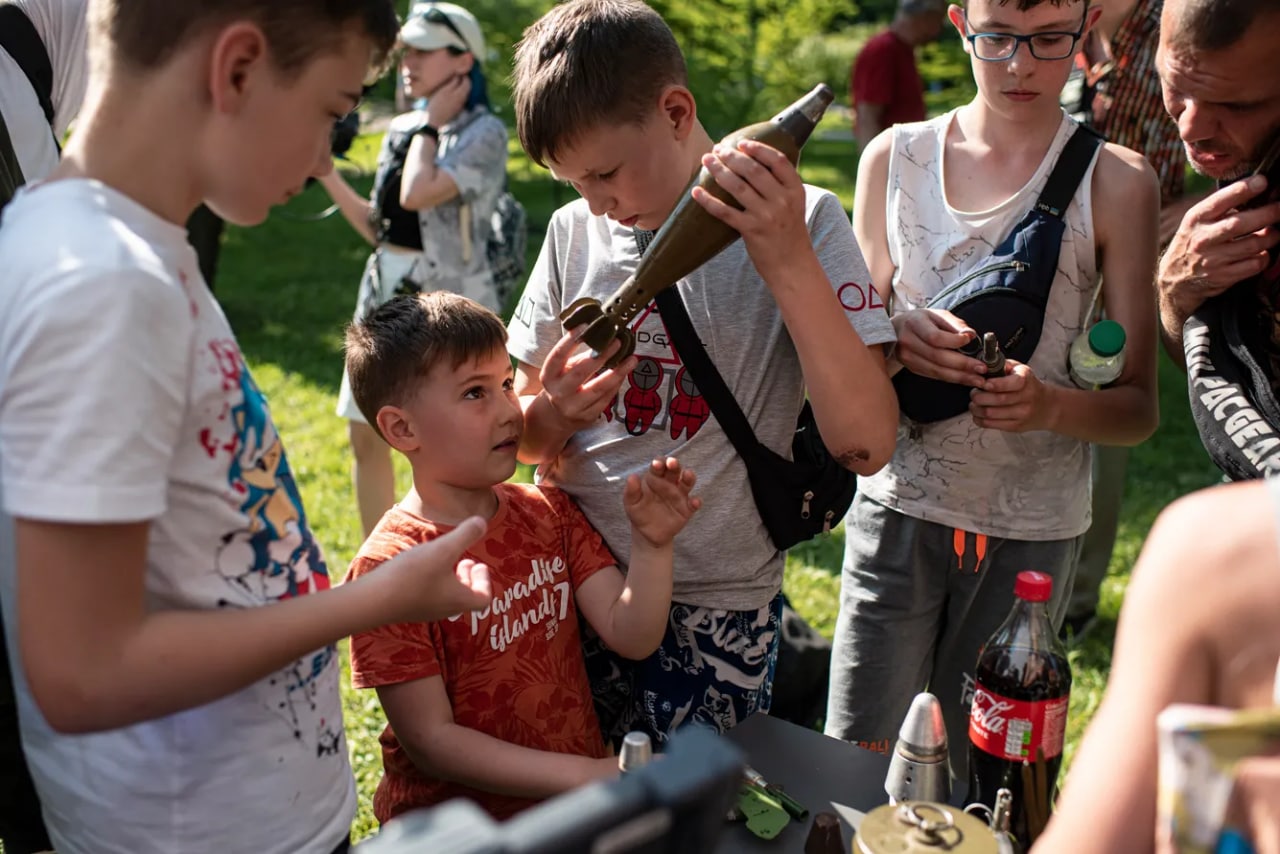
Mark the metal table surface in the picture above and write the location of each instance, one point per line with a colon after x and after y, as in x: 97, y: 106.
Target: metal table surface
x: 824, y: 774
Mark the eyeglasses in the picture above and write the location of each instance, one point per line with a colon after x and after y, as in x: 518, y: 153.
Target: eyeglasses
x: 433, y: 15
x: 1000, y: 47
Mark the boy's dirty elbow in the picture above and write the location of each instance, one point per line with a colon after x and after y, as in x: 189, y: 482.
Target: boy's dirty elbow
x: 864, y: 461
x: 868, y: 457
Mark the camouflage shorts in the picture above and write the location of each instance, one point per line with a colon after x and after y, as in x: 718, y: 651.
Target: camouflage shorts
x: 714, y: 668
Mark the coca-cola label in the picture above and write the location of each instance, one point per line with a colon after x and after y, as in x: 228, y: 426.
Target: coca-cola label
x: 1014, y: 729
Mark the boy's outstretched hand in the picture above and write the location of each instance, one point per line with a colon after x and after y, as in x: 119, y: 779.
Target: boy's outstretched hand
x: 431, y: 581
x: 658, y: 503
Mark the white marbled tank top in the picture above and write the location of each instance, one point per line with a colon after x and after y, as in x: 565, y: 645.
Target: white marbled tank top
x: 1025, y: 486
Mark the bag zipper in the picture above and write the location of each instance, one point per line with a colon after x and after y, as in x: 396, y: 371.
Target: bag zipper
x: 1019, y: 266
x: 804, y: 504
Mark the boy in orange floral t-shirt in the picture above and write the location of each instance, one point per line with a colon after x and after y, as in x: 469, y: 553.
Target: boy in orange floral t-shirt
x: 495, y: 705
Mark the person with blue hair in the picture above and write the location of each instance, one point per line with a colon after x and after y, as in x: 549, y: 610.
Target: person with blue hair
x: 440, y: 172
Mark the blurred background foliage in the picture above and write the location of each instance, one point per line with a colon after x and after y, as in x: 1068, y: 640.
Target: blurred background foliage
x: 747, y: 58
x: 288, y: 288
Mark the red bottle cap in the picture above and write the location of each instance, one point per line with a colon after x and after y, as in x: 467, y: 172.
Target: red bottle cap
x: 1033, y: 586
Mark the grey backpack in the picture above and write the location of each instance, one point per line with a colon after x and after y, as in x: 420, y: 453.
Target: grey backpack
x: 508, y: 239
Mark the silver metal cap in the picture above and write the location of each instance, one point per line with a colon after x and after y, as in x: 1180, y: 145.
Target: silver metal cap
x: 636, y: 752
x: 919, y: 769
x: 924, y: 733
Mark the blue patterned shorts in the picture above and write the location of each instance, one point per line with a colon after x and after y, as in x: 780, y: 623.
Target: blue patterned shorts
x: 713, y: 668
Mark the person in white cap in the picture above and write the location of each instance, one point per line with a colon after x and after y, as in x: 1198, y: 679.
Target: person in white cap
x: 440, y: 173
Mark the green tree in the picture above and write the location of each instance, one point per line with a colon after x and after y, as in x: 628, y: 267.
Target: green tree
x: 743, y: 54
x: 747, y: 58
x: 503, y: 23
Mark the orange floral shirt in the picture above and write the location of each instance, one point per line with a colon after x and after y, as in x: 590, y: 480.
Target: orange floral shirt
x: 514, y: 670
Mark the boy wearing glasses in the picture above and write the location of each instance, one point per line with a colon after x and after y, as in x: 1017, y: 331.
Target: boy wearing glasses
x: 935, y: 539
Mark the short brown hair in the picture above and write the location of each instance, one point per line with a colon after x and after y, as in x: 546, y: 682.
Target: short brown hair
x: 401, y: 341
x: 587, y: 63
x: 1213, y: 25
x: 1024, y: 5
x: 144, y: 34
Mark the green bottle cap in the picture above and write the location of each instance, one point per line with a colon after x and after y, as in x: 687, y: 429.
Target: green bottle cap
x: 1106, y: 338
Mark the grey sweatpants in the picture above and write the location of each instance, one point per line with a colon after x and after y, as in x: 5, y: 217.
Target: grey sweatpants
x: 1110, y: 466
x: 917, y: 601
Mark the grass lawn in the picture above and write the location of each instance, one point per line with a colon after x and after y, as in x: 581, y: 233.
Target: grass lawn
x: 288, y: 288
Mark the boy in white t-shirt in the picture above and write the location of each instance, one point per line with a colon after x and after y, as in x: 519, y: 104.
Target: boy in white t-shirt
x: 149, y: 509
x: 52, y: 30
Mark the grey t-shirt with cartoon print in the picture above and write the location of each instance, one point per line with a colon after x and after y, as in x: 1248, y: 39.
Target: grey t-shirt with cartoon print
x: 724, y: 557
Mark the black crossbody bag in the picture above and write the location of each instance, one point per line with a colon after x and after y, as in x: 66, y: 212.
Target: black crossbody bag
x: 797, y: 498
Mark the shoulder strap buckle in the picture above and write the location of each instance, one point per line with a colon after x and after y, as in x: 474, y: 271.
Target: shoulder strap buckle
x: 1069, y: 171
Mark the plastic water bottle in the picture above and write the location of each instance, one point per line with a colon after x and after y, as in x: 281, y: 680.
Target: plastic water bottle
x: 1097, y: 355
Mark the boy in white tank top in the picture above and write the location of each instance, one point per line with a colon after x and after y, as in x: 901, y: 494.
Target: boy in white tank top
x: 935, y: 539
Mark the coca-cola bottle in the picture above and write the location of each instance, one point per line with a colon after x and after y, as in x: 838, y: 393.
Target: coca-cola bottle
x: 1019, y: 712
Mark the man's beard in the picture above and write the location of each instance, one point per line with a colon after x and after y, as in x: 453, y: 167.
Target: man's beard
x: 1247, y: 165
x: 1266, y: 151
x: 1244, y: 170
x: 1240, y: 170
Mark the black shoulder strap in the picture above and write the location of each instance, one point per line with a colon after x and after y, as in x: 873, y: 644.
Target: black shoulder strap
x: 19, y: 39
x: 10, y: 170
x: 1067, y: 173
x: 685, y: 339
x: 708, y: 379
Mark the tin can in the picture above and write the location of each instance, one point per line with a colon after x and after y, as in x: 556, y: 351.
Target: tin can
x: 923, y: 827
x: 637, y: 751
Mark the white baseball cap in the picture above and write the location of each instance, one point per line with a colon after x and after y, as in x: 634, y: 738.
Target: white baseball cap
x: 431, y: 26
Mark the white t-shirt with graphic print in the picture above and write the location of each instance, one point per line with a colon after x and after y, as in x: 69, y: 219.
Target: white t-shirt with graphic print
x: 724, y: 558
x: 124, y: 397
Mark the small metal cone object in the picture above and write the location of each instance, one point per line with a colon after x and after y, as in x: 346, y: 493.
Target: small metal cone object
x: 636, y: 752
x: 825, y: 836
x: 919, y: 769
